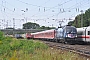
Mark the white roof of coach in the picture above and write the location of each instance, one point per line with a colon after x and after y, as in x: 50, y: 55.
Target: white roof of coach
x: 88, y: 28
x: 43, y: 31
x: 83, y: 28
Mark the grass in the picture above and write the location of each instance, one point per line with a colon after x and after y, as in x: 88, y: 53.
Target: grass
x: 11, y: 49
x: 34, y: 50
x: 17, y: 49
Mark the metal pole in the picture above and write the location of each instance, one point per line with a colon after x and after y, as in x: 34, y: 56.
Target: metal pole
x: 81, y: 18
x: 26, y: 24
x: 7, y: 24
x: 13, y: 25
x: 25, y: 17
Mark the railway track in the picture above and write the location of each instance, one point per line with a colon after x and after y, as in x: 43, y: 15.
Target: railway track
x: 80, y: 49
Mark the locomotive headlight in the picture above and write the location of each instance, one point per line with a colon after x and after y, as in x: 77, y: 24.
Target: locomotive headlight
x: 76, y: 35
x: 67, y: 32
x: 66, y: 35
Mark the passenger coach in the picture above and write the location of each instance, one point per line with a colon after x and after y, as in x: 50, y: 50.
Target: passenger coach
x: 84, y: 34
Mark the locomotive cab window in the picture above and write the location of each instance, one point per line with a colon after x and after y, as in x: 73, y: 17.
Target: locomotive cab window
x: 88, y: 32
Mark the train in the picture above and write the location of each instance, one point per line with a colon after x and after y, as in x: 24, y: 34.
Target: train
x: 62, y: 34
x: 83, y: 34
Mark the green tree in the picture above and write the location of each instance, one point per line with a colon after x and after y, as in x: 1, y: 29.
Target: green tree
x: 9, y: 28
x: 42, y: 27
x: 46, y: 28
x: 1, y: 36
x: 30, y: 25
x: 85, y: 17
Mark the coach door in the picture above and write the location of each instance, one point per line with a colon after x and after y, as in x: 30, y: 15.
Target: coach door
x: 87, y: 39
x: 88, y: 36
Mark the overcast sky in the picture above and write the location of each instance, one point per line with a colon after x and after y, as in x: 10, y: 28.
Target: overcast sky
x: 43, y: 12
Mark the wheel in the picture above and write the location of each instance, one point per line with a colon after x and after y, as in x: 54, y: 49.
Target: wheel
x: 57, y: 40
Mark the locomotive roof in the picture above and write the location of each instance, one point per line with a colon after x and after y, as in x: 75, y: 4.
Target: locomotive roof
x: 69, y: 26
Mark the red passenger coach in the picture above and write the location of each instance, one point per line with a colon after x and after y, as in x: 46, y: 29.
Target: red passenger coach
x: 48, y: 34
x: 28, y: 35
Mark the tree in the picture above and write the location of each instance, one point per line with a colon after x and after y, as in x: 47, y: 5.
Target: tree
x: 42, y: 27
x: 46, y: 28
x: 9, y: 28
x: 30, y: 25
x: 85, y: 17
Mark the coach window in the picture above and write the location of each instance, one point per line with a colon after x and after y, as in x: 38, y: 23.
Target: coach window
x: 51, y: 33
x: 42, y: 34
x: 80, y: 33
x: 88, y: 32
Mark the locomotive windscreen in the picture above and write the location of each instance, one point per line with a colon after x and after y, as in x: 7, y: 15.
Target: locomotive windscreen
x: 70, y: 29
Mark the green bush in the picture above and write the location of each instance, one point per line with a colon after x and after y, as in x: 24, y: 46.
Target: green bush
x: 1, y: 36
x: 4, y: 48
x: 26, y: 45
x: 40, y: 45
x: 8, y: 39
x: 8, y: 45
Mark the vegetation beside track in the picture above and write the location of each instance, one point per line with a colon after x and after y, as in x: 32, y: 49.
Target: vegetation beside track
x: 18, y: 49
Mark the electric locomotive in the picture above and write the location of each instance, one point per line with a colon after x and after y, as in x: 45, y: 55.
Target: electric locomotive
x: 66, y: 34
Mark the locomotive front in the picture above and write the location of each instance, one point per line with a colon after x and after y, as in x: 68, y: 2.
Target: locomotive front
x: 66, y: 34
x: 70, y: 33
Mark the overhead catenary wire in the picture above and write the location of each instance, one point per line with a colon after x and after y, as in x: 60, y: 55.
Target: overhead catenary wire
x: 70, y: 8
x: 44, y: 10
x: 44, y: 7
x: 53, y: 7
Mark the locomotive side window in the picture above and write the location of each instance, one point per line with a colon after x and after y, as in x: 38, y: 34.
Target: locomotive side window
x: 88, y: 32
x: 80, y: 33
